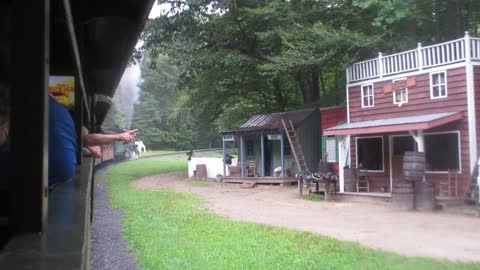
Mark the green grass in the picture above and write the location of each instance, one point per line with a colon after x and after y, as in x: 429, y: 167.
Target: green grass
x: 314, y: 197
x: 217, y: 153
x: 156, y: 152
x: 172, y: 230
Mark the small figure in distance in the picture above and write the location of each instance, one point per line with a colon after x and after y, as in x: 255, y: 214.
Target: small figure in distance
x: 190, y: 155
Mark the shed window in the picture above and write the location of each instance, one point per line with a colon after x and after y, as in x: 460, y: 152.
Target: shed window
x: 442, y: 152
x: 438, y: 85
x: 331, y: 147
x: 370, y: 153
x: 367, y: 96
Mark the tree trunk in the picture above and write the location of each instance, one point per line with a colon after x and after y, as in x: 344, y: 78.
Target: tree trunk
x: 459, y: 19
x: 308, y: 82
x: 337, y: 88
x: 322, y: 82
x: 412, y: 26
x: 279, y: 98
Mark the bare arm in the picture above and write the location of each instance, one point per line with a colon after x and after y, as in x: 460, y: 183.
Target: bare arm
x: 99, y: 139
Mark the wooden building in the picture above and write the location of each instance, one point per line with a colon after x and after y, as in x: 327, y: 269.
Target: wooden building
x: 425, y: 99
x: 330, y: 117
x: 262, y: 141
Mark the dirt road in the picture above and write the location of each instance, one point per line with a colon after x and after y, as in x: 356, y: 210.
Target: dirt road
x: 438, y: 235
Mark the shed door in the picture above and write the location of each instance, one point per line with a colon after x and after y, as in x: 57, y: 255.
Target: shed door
x: 400, y: 144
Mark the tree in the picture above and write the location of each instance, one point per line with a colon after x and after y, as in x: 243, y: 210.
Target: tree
x: 236, y: 58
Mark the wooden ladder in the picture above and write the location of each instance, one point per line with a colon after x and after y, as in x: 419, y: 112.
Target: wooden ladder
x: 295, y: 146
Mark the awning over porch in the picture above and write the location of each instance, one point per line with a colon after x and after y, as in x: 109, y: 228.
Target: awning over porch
x: 417, y: 122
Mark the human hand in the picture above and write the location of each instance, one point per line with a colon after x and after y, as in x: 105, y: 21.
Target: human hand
x: 127, y: 135
x: 96, y: 151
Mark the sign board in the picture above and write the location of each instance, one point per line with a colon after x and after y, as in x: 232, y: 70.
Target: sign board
x: 62, y: 88
x: 228, y: 138
x: 401, y: 84
x: 274, y: 137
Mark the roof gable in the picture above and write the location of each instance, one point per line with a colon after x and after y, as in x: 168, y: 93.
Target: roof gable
x: 271, y: 121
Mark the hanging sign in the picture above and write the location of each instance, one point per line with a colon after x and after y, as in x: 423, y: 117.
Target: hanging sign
x: 228, y: 138
x: 274, y: 137
x: 399, y: 85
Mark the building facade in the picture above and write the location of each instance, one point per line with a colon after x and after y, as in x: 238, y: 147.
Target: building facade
x: 426, y: 100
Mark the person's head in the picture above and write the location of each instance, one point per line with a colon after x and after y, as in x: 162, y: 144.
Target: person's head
x: 4, y: 113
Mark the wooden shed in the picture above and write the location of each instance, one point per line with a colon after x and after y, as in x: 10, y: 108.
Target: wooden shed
x: 263, y: 142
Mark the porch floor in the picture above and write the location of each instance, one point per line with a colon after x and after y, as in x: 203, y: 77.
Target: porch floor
x: 383, y: 197
x: 260, y: 180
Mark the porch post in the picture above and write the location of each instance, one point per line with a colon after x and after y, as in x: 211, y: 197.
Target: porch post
x: 223, y: 155
x: 282, y: 155
x: 262, y: 150
x: 419, y: 139
x: 341, y: 162
x: 242, y: 156
x: 380, y: 65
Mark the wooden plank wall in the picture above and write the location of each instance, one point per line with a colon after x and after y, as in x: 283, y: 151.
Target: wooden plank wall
x: 332, y: 116
x: 419, y: 101
x: 310, y: 138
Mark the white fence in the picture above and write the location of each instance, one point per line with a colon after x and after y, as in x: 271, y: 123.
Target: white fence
x: 214, y: 166
x: 464, y: 49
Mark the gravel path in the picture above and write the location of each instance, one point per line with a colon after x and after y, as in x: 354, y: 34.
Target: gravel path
x: 108, y: 248
x: 437, y: 234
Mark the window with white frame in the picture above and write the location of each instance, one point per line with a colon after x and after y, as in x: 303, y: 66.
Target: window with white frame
x: 367, y: 96
x: 400, y: 96
x: 370, y: 153
x: 331, y: 149
x: 442, y: 151
x: 438, y: 85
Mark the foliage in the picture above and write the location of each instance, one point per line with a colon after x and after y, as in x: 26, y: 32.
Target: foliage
x: 115, y: 119
x: 218, y: 62
x: 172, y: 230
x: 159, y: 114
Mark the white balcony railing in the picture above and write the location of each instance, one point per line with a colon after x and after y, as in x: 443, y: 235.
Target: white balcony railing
x: 463, y: 49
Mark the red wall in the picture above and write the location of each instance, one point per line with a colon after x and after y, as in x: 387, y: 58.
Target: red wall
x: 419, y: 102
x: 332, y: 116
x: 476, y: 82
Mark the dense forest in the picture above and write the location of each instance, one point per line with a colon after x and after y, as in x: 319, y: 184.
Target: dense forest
x: 209, y: 65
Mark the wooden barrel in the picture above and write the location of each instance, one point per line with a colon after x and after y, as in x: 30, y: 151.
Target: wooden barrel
x: 424, y: 196
x: 349, y: 176
x: 413, y: 166
x: 235, y: 170
x: 201, y: 172
x: 403, y: 196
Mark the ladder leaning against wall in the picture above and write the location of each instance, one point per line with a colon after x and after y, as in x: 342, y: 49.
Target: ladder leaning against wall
x: 295, y: 146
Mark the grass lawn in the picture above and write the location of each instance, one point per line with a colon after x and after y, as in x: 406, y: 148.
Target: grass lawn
x: 171, y: 230
x: 156, y: 152
x: 215, y: 153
